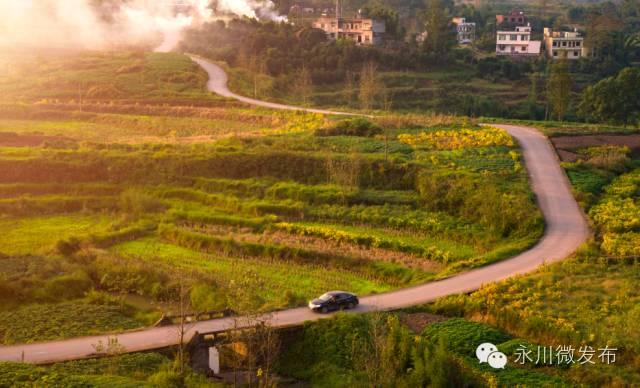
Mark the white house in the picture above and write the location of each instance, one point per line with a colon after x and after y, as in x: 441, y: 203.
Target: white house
x: 517, y: 43
x: 564, y: 45
x: 466, y: 30
x: 360, y: 30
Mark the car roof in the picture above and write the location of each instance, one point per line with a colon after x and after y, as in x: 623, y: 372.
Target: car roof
x: 334, y: 293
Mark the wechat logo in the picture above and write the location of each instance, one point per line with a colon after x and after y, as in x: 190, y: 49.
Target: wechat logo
x: 488, y: 352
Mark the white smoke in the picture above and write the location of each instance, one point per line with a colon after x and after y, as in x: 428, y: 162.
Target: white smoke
x: 79, y: 24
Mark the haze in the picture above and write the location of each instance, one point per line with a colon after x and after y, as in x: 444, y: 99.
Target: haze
x: 85, y: 25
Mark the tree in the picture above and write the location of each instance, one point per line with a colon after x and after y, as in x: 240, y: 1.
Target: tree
x: 631, y: 45
x: 559, y: 89
x: 303, y: 85
x: 602, y: 26
x: 543, y: 5
x: 378, y: 10
x: 613, y: 99
x: 348, y: 92
x: 533, y: 108
x: 440, y: 34
x: 368, y: 85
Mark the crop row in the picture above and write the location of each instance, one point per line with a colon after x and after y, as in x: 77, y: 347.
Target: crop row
x: 24, y: 206
x: 366, y: 240
x: 311, y: 194
x: 458, y: 139
x: 387, y: 272
x: 617, y: 216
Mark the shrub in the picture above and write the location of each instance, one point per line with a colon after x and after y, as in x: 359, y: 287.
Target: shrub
x: 69, y: 246
x: 66, y: 287
x: 205, y: 297
x: 351, y: 127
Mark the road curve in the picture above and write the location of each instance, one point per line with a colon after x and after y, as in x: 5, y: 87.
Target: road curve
x: 218, y: 84
x: 566, y: 229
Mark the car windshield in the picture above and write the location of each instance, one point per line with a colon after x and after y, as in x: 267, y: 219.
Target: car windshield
x: 325, y: 297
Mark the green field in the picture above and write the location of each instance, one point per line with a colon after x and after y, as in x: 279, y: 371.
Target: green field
x: 260, y: 210
x: 359, y: 213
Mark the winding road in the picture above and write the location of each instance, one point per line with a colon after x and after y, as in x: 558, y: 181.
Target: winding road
x: 566, y: 229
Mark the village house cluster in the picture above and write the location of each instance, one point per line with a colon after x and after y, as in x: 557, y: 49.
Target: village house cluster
x: 513, y: 33
x: 513, y: 38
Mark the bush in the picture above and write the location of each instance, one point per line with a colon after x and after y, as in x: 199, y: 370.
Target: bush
x: 351, y: 127
x: 205, y: 297
x: 69, y: 246
x: 66, y: 287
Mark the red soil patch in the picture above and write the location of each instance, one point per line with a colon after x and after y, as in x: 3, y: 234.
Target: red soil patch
x: 417, y: 322
x: 565, y: 144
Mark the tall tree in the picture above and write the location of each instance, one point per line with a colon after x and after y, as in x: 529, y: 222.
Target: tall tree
x: 368, y: 85
x: 440, y: 33
x: 303, y: 85
x: 559, y: 89
x: 613, y: 99
x: 377, y: 9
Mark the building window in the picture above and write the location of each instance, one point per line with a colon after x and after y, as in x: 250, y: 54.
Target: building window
x: 555, y: 53
x: 501, y: 47
x: 577, y: 44
x: 555, y: 44
x: 524, y: 37
x: 524, y: 48
x: 564, y: 44
x: 576, y: 53
x: 513, y: 37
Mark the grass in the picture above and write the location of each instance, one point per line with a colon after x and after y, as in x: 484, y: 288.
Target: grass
x: 38, y: 235
x: 408, y: 90
x: 104, y: 76
x: 129, y: 370
x: 566, y: 128
x: 273, y: 279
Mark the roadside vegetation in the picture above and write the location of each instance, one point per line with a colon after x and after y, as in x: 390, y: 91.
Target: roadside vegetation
x: 379, y: 349
x: 131, y: 370
x: 590, y: 299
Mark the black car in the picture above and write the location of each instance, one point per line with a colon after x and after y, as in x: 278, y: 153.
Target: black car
x: 334, y: 300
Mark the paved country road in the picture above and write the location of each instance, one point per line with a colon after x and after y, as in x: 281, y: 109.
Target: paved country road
x: 566, y: 229
x: 218, y: 81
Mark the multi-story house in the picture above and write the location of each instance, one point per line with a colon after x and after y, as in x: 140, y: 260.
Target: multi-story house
x: 563, y: 44
x: 514, y: 18
x: 466, y: 30
x: 360, y: 30
x: 517, y: 43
